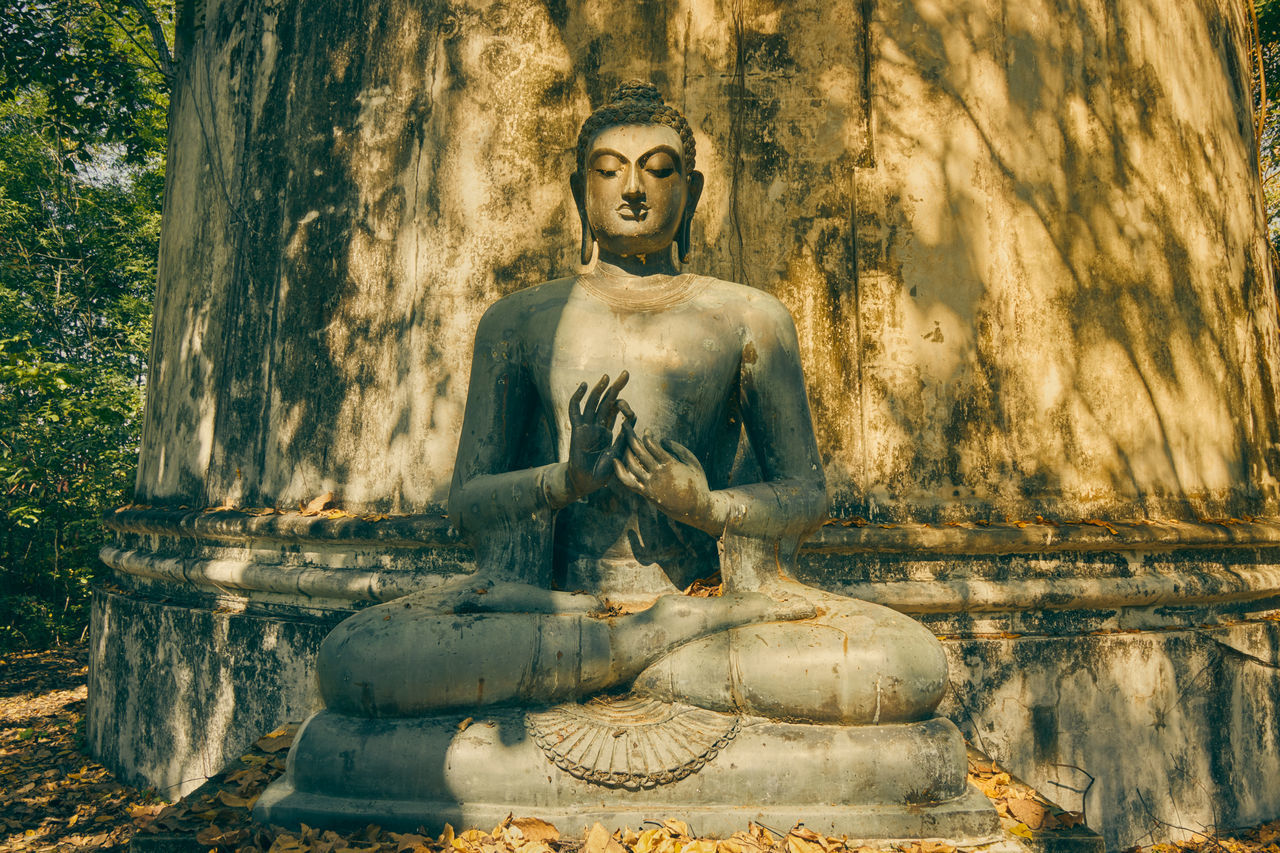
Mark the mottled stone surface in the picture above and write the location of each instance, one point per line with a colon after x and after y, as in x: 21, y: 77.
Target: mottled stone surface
x: 873, y: 782
x: 180, y: 687
x: 1142, y: 731
x: 1022, y: 241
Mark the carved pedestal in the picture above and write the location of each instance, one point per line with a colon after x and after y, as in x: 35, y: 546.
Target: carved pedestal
x: 621, y: 761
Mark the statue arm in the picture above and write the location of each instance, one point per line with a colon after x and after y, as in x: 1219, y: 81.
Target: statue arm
x: 791, y: 499
x: 501, y: 402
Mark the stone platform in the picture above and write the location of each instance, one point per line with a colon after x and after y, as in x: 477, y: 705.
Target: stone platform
x: 890, y: 782
x: 1130, y: 675
x: 174, y: 832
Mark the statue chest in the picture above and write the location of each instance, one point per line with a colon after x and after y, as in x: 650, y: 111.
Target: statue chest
x: 683, y: 364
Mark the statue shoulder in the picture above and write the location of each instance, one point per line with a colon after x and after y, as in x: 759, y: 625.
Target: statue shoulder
x: 757, y: 308
x: 517, y: 310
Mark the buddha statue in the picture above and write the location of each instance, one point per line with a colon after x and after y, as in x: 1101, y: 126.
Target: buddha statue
x: 629, y: 431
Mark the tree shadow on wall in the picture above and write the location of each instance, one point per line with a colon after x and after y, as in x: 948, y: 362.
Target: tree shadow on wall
x: 1098, y: 221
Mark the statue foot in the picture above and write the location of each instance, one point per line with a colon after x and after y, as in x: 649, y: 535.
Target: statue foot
x: 638, y: 639
x: 484, y: 593
x: 720, y: 613
x: 780, y: 604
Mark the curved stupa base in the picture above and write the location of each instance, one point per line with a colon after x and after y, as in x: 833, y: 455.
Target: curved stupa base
x: 638, y: 760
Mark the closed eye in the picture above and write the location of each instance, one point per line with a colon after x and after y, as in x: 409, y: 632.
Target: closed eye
x: 608, y: 173
x: 660, y: 163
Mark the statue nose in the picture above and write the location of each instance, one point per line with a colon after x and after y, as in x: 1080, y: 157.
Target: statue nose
x: 632, y: 188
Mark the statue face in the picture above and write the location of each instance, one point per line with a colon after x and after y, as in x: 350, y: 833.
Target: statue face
x: 636, y: 188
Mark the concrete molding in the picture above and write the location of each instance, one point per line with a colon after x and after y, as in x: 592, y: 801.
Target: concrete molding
x: 248, y: 575
x: 236, y: 526
x: 334, y: 567
x: 978, y: 595
x: 836, y: 536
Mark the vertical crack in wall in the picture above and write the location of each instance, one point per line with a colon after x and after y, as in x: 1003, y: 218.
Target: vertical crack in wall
x: 855, y: 261
x: 737, y: 121
x: 867, y: 157
x: 253, y: 60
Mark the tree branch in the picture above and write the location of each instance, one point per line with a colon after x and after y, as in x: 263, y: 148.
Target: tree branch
x: 152, y: 23
x: 128, y: 32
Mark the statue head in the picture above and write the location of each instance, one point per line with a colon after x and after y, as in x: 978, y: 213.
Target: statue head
x: 635, y: 185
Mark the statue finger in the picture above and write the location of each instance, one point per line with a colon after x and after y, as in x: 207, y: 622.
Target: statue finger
x: 656, y: 450
x: 679, y: 451
x: 593, y: 402
x: 619, y: 444
x: 635, y: 465
x: 626, y: 478
x: 628, y: 416
x: 610, y: 397
x: 575, y: 409
x: 636, y: 446
x: 610, y: 418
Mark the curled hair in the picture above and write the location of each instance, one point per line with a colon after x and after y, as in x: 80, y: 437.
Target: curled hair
x: 635, y: 102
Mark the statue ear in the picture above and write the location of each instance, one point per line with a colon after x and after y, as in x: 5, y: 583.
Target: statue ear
x: 686, y: 221
x: 588, y: 236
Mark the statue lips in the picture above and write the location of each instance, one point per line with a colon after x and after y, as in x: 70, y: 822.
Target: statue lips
x: 633, y: 212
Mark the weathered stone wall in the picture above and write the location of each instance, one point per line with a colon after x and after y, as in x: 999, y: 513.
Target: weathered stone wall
x: 180, y: 685
x: 1068, y: 297
x: 1022, y: 241
x: 1152, y: 735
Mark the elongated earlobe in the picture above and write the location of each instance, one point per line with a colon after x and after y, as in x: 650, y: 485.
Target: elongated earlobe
x: 686, y: 221
x: 588, y: 243
x: 682, y: 240
x: 588, y: 249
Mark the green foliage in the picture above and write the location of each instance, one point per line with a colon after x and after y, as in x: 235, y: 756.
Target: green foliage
x: 82, y: 122
x: 1268, y: 12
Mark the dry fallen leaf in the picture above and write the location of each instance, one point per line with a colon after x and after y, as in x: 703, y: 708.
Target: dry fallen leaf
x: 410, y: 843
x: 533, y: 829
x: 286, y: 843
x: 228, y: 799
x: 801, y: 840
x: 315, y: 506
x: 1028, y: 811
x: 276, y: 741
x: 936, y: 847
x: 599, y: 840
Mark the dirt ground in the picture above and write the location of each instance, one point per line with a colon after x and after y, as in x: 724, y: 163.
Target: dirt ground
x: 54, y: 797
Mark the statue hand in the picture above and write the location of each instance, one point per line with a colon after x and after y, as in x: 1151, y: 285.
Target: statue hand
x: 592, y: 447
x: 668, y: 474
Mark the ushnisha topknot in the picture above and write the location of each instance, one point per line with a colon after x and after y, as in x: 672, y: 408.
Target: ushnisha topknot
x: 635, y: 102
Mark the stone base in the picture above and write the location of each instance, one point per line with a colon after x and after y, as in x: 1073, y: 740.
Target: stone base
x: 177, y: 689
x: 868, y: 782
x: 875, y: 826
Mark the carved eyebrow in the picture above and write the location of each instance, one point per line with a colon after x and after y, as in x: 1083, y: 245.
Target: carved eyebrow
x: 600, y: 152
x: 671, y: 152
